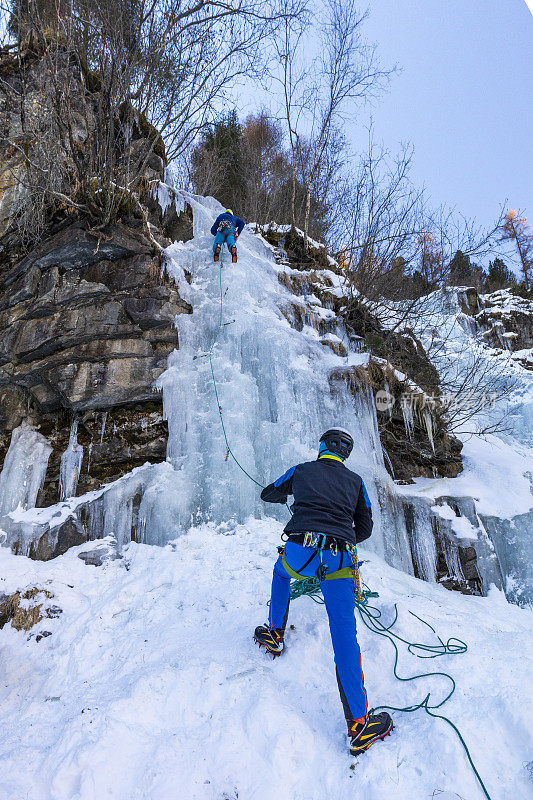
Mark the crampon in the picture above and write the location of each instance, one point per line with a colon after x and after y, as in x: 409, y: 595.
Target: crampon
x: 364, y: 732
x: 271, y: 639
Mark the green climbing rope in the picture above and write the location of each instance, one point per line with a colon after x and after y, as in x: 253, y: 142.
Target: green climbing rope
x: 229, y: 451
x: 371, y: 617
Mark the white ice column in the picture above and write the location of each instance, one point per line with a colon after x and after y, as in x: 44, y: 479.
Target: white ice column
x: 24, y: 469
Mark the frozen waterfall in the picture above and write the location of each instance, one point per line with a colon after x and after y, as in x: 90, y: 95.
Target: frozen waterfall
x: 275, y: 394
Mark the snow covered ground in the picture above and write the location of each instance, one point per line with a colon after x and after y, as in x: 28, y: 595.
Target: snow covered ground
x: 151, y: 688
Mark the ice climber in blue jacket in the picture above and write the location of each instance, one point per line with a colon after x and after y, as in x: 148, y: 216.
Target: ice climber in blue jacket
x: 226, y: 228
x: 330, y: 515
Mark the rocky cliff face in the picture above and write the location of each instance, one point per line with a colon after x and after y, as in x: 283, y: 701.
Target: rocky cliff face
x: 86, y: 327
x: 412, y: 433
x: 86, y: 315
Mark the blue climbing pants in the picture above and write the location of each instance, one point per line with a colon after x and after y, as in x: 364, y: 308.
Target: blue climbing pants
x: 339, y: 597
x: 220, y: 238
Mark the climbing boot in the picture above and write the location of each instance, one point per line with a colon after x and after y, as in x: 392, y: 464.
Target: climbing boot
x: 271, y: 639
x: 234, y: 254
x: 367, y: 730
x: 216, y: 253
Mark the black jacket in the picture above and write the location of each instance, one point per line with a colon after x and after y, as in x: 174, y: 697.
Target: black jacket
x: 328, y: 498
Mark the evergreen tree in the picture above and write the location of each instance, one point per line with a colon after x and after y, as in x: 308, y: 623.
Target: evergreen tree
x: 499, y: 276
x: 218, y: 162
x: 462, y: 272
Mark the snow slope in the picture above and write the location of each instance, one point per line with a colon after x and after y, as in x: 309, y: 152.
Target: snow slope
x: 151, y: 688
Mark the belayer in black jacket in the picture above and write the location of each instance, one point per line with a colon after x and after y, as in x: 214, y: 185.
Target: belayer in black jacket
x: 331, y: 514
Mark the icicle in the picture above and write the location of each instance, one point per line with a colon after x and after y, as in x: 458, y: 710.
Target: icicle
x: 427, y: 418
x: 387, y: 389
x: 104, y: 420
x: 90, y: 450
x: 422, y: 538
x: 71, y: 460
x: 451, y: 556
x: 407, y: 412
x: 389, y: 462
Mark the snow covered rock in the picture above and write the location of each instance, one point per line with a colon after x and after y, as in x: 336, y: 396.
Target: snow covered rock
x: 100, y: 551
x: 26, y: 608
x: 507, y: 320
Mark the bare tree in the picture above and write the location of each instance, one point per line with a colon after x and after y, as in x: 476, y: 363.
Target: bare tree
x: 398, y: 251
x: 133, y: 75
x: 516, y: 229
x: 292, y: 79
x: 380, y: 224
x: 471, y: 385
x: 318, y: 95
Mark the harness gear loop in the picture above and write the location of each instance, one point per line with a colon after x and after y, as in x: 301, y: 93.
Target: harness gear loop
x: 357, y: 579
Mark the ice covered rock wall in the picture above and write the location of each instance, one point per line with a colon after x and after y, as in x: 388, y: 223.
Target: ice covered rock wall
x: 273, y: 367
x: 276, y: 391
x: 497, y: 479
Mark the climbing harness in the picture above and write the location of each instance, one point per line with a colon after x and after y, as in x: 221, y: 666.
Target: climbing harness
x: 370, y: 615
x: 322, y: 573
x: 227, y: 228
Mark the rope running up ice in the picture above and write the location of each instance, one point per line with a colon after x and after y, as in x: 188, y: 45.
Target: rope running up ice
x: 370, y: 615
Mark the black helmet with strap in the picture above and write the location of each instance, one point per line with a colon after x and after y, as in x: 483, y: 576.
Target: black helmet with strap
x: 338, y: 441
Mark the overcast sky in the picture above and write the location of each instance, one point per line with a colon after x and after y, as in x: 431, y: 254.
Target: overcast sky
x: 463, y: 98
